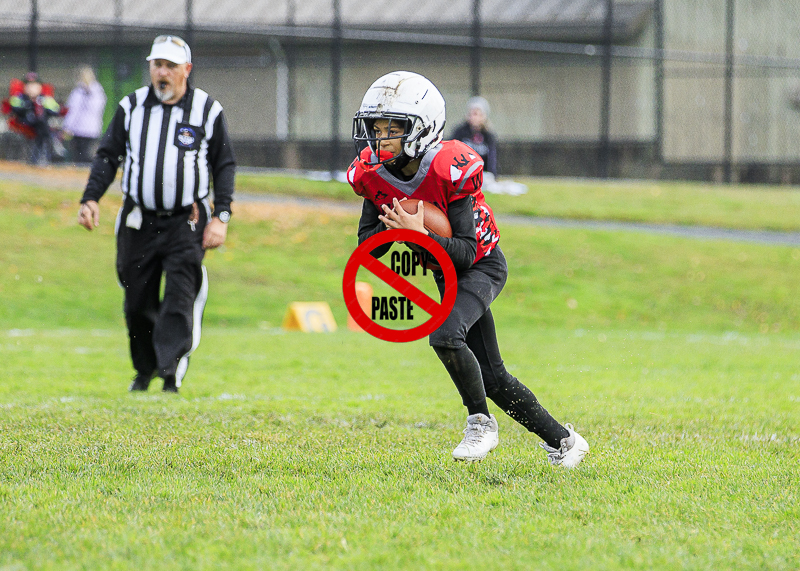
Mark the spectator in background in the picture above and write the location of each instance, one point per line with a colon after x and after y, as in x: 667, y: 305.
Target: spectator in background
x: 33, y: 109
x: 475, y: 133
x: 84, y: 119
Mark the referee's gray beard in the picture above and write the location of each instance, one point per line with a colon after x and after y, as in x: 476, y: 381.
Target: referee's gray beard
x: 163, y: 95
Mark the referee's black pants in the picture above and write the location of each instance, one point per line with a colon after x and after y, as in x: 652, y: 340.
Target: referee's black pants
x: 163, y: 331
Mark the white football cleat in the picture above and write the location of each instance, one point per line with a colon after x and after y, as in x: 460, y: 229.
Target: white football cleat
x: 573, y: 448
x: 480, y: 438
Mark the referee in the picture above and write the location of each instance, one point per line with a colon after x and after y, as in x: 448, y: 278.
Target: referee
x: 172, y: 140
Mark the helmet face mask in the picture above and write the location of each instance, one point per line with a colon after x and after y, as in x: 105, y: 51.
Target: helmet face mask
x: 364, y: 133
x: 405, y: 98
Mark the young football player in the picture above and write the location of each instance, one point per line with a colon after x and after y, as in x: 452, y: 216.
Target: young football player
x: 400, y: 121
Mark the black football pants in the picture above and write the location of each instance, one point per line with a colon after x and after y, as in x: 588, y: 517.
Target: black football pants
x: 466, y: 343
x: 163, y: 332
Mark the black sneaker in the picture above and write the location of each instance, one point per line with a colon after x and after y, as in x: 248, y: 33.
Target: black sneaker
x: 140, y: 383
x: 169, y: 384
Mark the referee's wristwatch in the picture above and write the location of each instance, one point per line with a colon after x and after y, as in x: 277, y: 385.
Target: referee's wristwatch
x: 224, y: 216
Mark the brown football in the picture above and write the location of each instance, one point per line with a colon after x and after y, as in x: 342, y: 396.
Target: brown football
x: 435, y: 220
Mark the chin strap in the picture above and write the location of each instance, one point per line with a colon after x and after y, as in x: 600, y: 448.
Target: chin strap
x: 398, y: 164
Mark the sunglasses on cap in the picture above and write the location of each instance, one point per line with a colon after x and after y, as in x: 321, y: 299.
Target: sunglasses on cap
x: 174, y: 39
x: 172, y: 48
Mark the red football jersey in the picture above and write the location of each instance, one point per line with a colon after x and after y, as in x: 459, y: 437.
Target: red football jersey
x: 447, y: 172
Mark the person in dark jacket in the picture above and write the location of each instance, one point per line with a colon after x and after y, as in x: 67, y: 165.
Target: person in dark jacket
x: 475, y: 133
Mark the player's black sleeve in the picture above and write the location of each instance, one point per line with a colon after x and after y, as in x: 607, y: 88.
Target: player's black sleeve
x: 223, y: 166
x: 369, y: 225
x: 107, y: 159
x: 463, y: 246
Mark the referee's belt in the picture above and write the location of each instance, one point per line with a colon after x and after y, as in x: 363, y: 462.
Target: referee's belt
x: 166, y: 213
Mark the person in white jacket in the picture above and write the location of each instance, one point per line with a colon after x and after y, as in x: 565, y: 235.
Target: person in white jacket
x: 84, y: 119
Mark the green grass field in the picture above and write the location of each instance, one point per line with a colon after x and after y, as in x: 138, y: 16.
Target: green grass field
x: 676, y: 358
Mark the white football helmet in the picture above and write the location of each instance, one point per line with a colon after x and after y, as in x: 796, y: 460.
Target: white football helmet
x: 408, y: 98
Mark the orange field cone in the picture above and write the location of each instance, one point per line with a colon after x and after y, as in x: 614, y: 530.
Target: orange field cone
x: 364, y: 297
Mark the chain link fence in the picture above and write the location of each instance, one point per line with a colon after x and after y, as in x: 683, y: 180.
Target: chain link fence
x: 702, y: 89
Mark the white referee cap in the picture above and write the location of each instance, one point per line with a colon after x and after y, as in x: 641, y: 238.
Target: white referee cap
x: 170, y: 48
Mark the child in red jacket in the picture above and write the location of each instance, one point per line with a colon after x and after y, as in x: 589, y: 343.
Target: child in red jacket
x: 30, y: 106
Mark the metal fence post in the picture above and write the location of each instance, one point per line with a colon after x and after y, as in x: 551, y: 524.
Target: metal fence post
x: 190, y: 23
x: 336, y: 79
x: 116, y: 52
x: 658, y: 146
x: 475, y: 51
x: 728, y: 120
x: 605, y: 105
x: 282, y: 96
x: 33, y: 38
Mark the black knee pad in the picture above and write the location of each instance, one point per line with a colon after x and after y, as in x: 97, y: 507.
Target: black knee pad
x: 446, y: 339
x: 444, y: 353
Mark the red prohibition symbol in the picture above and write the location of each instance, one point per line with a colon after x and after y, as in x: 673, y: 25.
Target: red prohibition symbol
x: 437, y: 311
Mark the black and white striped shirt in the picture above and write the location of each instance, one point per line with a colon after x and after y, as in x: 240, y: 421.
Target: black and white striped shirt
x: 170, y: 153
